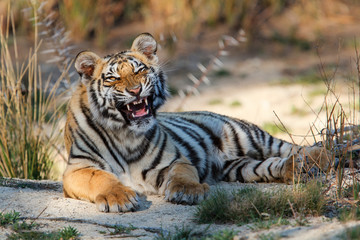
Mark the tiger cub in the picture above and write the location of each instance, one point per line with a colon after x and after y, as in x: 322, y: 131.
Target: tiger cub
x: 119, y: 144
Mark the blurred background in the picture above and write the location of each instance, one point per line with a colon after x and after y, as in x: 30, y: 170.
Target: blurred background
x: 285, y: 65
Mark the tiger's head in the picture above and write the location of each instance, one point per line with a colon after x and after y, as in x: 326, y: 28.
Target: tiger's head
x: 127, y: 88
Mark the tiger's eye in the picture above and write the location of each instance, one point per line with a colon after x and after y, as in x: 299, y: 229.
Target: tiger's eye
x: 112, y: 78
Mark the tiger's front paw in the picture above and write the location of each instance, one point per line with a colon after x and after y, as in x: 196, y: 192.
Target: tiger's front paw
x: 117, y: 198
x: 306, y: 164
x: 186, y: 192
x: 316, y: 157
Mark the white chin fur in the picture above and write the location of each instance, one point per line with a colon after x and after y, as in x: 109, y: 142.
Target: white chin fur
x: 142, y: 126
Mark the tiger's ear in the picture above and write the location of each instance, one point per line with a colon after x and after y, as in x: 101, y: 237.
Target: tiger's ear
x: 85, y: 63
x: 146, y: 44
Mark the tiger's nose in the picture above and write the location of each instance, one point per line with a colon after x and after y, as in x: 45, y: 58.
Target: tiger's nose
x: 134, y: 91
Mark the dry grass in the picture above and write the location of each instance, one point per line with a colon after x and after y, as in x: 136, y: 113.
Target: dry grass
x: 29, y: 114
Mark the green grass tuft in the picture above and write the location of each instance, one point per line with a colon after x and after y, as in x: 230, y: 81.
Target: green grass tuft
x: 120, y: 229
x: 267, y: 224
x: 235, y: 103
x: 9, y: 218
x: 69, y: 233
x: 215, y: 101
x: 222, y: 73
x: 189, y: 233
x: 222, y: 235
x: 352, y: 233
x: 215, y: 208
x: 349, y: 214
x: 250, y: 204
x: 183, y: 233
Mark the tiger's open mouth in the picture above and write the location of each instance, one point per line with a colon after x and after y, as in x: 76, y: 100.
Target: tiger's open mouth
x: 138, y: 109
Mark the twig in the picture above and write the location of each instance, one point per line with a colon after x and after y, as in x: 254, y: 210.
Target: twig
x: 292, y: 209
x: 38, y: 215
x: 256, y: 209
x: 285, y: 129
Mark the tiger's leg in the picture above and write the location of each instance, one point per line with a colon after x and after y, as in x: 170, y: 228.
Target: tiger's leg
x: 182, y: 184
x: 100, y: 187
x: 246, y: 169
x: 303, y: 160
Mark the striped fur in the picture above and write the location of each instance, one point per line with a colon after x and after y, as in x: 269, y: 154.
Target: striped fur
x: 119, y: 144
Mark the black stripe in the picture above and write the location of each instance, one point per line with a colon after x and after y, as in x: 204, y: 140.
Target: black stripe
x: 99, y: 91
x: 149, y: 135
x: 256, y: 167
x: 229, y: 162
x: 266, y: 179
x: 270, y: 143
x: 282, y: 166
x: 157, y: 159
x: 238, y: 162
x: 235, y: 138
x: 192, y: 154
x: 269, y: 170
x: 239, y: 175
x: 251, y: 138
x: 104, y: 111
x: 193, y: 134
x: 279, y: 148
x: 216, y: 141
x: 239, y: 149
x: 100, y: 164
x: 93, y: 97
x: 95, y: 127
x: 85, y: 139
x: 142, y: 149
x: 262, y: 135
x: 160, y: 178
x: 216, y: 171
x: 156, y: 144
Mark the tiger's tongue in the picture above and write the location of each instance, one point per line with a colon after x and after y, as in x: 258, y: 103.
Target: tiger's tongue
x: 140, y: 113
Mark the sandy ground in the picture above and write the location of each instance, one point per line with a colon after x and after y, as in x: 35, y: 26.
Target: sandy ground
x: 43, y: 203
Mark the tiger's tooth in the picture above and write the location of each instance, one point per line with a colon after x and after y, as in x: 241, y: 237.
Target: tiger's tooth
x: 146, y: 102
x: 128, y: 107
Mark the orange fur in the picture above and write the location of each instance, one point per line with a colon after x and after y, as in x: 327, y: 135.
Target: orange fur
x: 184, y: 179
x: 98, y: 186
